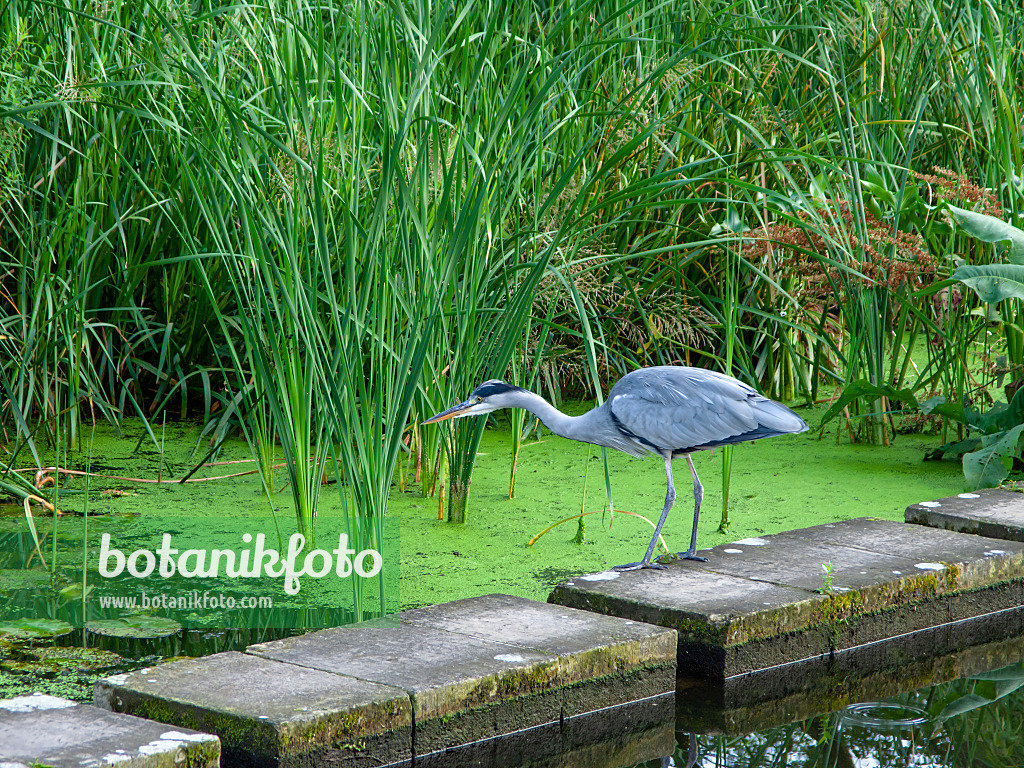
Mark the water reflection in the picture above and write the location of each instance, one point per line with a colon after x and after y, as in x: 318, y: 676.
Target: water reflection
x: 973, y: 721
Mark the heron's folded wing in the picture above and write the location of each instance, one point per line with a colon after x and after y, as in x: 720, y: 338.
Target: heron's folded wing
x: 679, y: 408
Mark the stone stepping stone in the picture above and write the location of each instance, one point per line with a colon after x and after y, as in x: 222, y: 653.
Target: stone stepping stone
x: 435, y: 678
x: 267, y: 712
x: 997, y: 513
x: 45, y: 730
x: 763, y: 602
x: 482, y: 667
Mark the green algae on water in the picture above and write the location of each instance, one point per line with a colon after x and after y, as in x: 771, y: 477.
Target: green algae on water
x: 778, y: 484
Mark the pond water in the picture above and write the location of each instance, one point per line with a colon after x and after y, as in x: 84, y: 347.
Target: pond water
x: 883, y: 718
x: 974, y: 721
x: 950, y: 714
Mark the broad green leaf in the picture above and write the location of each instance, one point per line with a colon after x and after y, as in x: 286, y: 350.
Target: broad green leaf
x: 1006, y: 687
x: 940, y: 407
x: 954, y: 449
x: 875, y: 185
x: 862, y: 388
x: 35, y: 628
x: 965, y: 703
x: 989, y: 229
x: 1015, y: 673
x: 993, y: 282
x: 989, y: 466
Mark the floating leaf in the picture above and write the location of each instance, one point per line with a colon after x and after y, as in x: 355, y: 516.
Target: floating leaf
x: 135, y: 626
x: 32, y: 629
x: 45, y: 660
x: 989, y: 229
x: 989, y: 466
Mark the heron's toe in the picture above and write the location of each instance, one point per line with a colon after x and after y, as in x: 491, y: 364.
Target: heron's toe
x: 690, y: 556
x: 638, y: 566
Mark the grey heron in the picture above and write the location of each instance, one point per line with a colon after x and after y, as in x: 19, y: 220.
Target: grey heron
x: 666, y: 410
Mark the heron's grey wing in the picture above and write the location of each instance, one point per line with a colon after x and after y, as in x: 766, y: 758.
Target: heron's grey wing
x: 675, y: 408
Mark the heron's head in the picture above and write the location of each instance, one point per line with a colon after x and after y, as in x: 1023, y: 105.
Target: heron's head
x: 489, y: 396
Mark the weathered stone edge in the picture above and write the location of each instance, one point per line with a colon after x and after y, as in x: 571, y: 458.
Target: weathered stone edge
x: 542, y: 707
x: 932, y: 518
x: 616, y: 656
x: 815, y: 612
x: 542, y: 677
x: 266, y: 740
x: 260, y: 738
x: 171, y: 751
x: 848, y: 632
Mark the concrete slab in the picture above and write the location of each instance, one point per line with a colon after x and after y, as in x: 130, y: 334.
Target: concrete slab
x: 762, y: 602
x: 479, y: 668
x: 46, y: 730
x: 997, y: 513
x: 267, y: 712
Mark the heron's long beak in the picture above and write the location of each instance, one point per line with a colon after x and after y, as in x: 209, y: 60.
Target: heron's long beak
x: 454, y: 412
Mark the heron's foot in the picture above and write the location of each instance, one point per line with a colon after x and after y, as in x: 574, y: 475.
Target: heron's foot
x: 638, y: 566
x: 691, y: 554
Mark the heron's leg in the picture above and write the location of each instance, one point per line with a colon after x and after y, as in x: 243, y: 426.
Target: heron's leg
x: 698, y: 495
x: 670, y: 497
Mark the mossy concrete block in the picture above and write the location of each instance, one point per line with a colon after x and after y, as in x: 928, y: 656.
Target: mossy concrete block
x: 767, y: 601
x: 997, y: 513
x: 587, y: 646
x: 46, y: 730
x: 267, y: 712
x: 466, y: 684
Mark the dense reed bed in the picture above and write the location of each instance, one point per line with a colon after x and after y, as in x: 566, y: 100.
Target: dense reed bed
x: 320, y: 223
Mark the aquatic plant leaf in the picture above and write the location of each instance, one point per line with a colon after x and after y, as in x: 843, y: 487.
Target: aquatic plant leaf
x: 1006, y: 687
x: 74, y: 591
x: 861, y: 388
x: 46, y: 660
x: 1000, y: 417
x: 940, y: 407
x: 873, y: 183
x: 964, y: 703
x: 989, y: 466
x: 135, y: 626
x: 1014, y: 673
x: 35, y: 628
x: 956, y: 448
x: 989, y: 229
x: 993, y: 282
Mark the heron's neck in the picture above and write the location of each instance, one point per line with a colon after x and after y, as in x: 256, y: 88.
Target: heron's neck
x: 552, y: 418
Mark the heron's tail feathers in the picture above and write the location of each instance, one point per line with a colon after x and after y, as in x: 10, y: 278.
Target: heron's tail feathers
x: 776, y: 419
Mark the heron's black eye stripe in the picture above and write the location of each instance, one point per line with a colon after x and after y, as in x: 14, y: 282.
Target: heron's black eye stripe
x: 491, y: 388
